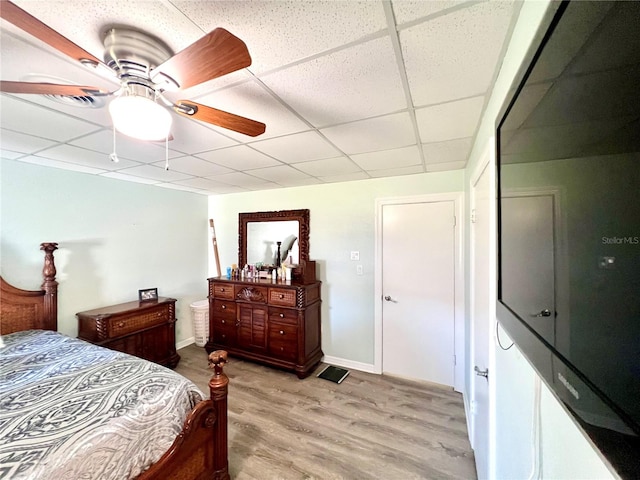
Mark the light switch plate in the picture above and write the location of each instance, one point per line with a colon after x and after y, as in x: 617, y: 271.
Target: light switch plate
x: 359, y: 269
x: 355, y: 255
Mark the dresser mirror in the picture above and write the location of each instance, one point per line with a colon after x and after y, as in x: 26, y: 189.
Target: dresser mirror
x: 259, y: 233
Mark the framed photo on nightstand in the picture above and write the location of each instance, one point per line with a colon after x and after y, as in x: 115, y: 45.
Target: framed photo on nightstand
x: 148, y: 294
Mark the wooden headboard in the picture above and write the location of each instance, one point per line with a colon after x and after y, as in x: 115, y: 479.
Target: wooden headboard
x: 31, y: 309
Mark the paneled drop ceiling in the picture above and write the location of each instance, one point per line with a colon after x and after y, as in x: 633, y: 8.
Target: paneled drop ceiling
x: 348, y: 90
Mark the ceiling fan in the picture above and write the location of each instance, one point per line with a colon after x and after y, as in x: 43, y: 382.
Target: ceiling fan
x: 145, y: 68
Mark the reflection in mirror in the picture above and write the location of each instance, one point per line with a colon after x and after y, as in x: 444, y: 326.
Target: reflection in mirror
x: 259, y: 233
x: 262, y: 238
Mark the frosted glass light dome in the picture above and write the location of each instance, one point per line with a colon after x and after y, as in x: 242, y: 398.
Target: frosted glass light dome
x: 140, y: 117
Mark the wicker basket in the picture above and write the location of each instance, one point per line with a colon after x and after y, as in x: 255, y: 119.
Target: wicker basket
x: 200, y: 315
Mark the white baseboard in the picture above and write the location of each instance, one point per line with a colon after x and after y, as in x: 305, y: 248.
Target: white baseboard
x: 185, y: 343
x: 342, y: 362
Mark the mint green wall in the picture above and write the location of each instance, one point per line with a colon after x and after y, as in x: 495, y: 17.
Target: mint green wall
x: 114, y: 238
x: 563, y: 450
x: 342, y: 220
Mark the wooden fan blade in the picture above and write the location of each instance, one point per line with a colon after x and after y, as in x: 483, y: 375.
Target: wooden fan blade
x: 220, y: 118
x: 30, y: 24
x: 216, y: 54
x: 50, y: 89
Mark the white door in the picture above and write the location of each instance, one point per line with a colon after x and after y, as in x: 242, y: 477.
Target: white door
x: 418, y: 290
x: 481, y: 259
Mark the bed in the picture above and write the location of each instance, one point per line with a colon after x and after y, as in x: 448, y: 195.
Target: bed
x: 70, y: 409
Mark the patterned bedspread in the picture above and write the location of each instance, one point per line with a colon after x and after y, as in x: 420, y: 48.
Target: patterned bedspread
x: 72, y: 410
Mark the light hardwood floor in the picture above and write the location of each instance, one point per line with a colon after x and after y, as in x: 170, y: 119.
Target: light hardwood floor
x: 367, y: 427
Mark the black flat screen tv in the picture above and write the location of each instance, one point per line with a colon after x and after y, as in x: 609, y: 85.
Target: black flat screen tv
x: 568, y: 160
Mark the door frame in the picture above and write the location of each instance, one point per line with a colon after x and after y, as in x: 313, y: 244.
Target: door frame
x: 486, y: 163
x: 458, y: 272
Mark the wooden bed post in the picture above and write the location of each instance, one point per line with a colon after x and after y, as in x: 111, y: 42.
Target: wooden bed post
x: 50, y: 286
x: 218, y: 387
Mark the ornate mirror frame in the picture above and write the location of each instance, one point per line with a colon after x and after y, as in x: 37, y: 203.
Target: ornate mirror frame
x: 301, y: 216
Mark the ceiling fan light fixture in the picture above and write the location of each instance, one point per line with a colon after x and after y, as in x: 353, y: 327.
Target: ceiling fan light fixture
x: 140, y: 117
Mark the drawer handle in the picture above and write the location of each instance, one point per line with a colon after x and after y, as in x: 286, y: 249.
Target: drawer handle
x: 224, y: 336
x: 120, y: 324
x: 281, y: 332
x: 222, y: 289
x: 223, y: 321
x: 159, y: 314
x: 281, y: 296
x: 224, y: 307
x: 282, y: 315
x: 282, y: 349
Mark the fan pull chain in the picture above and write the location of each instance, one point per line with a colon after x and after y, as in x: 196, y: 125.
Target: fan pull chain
x: 166, y: 152
x: 114, y: 156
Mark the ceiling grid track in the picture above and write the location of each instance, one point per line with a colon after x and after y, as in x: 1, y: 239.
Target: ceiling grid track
x: 397, y: 48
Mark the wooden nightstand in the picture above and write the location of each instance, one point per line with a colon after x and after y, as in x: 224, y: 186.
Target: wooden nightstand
x: 144, y: 329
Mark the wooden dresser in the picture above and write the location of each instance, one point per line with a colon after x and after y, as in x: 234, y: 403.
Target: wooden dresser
x: 274, y: 323
x: 144, y: 329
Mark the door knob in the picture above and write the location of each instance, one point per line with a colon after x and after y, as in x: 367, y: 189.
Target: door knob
x: 389, y: 299
x: 482, y: 373
x: 542, y: 313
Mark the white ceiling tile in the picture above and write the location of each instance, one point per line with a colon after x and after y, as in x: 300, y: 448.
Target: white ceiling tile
x: 205, y: 88
x: 299, y: 147
x: 81, y: 156
x: 126, y: 147
x: 263, y: 186
x: 329, y: 166
x: 316, y: 64
x: 194, y: 166
x: 239, y: 179
x: 347, y: 177
x: 300, y: 182
x: 408, y: 10
x: 48, y: 162
x: 281, y: 174
x: 252, y: 101
x: 455, y: 55
x: 381, y: 133
x: 357, y: 82
x: 399, y: 157
x: 239, y: 158
x: 8, y: 154
x: 129, y: 178
x: 155, y: 173
x: 206, y: 184
x: 19, y: 142
x: 278, y: 33
x: 449, y: 120
x: 25, y: 117
x: 192, y: 136
x: 441, y: 167
x: 395, y: 172
x: 450, y: 151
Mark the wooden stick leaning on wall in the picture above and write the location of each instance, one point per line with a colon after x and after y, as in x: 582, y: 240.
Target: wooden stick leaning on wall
x: 215, y: 246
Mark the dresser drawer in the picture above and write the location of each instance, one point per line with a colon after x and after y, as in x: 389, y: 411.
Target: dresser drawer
x: 283, y: 315
x: 282, y: 296
x: 135, y: 322
x: 223, y: 290
x: 283, y: 341
x: 224, y: 309
x: 225, y: 335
